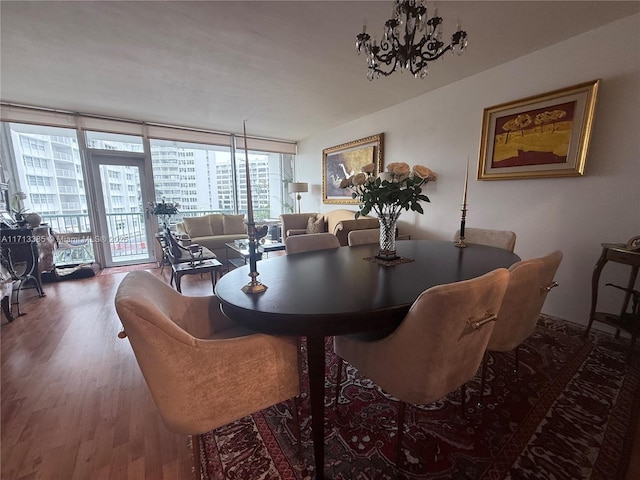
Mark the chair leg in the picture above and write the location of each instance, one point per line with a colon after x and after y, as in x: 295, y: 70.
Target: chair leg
x: 632, y: 344
x: 483, y: 377
x: 5, y: 303
x: 401, y: 411
x: 40, y: 290
x: 296, y: 419
x: 195, y: 445
x: 338, y: 382
x: 18, y: 297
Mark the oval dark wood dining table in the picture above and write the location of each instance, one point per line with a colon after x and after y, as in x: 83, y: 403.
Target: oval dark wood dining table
x: 338, y: 292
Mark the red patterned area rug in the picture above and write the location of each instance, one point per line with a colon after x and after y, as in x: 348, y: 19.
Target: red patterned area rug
x: 568, y: 413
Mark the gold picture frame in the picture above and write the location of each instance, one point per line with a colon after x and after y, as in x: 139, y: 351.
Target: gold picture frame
x: 344, y: 160
x: 538, y: 137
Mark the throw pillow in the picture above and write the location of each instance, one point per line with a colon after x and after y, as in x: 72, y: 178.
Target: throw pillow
x: 233, y: 224
x: 315, y: 224
x: 197, y: 226
x: 215, y: 220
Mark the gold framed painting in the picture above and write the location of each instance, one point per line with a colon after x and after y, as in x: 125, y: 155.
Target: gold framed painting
x: 542, y: 136
x: 344, y: 160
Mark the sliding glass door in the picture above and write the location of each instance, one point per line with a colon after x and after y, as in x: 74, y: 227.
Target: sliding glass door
x: 119, y: 182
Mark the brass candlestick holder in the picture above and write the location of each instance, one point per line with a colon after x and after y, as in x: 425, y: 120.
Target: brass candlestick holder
x: 254, y: 286
x: 460, y: 243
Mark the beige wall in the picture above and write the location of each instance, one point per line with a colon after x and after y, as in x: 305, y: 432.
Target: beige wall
x: 575, y: 215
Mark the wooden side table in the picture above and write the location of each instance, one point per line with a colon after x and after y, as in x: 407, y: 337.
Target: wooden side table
x: 178, y: 270
x: 614, y: 252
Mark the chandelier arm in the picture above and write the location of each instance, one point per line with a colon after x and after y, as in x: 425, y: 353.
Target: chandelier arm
x: 387, y: 54
x: 427, y: 56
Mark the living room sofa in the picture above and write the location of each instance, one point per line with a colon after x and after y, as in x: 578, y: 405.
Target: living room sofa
x: 212, y: 231
x: 339, y: 222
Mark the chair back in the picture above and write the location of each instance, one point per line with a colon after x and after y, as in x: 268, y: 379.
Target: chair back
x: 529, y: 284
x: 494, y: 238
x: 179, y: 254
x: 174, y: 249
x: 153, y: 315
x: 310, y: 242
x: 363, y: 237
x: 202, y: 372
x: 438, y: 346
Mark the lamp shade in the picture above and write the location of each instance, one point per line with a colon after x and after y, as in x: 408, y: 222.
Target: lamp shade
x: 297, y: 187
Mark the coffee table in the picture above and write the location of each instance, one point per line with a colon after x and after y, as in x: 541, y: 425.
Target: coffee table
x: 188, y: 268
x: 243, y: 250
x: 271, y: 247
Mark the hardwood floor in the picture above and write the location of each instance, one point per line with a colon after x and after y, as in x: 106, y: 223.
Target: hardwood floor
x: 74, y: 403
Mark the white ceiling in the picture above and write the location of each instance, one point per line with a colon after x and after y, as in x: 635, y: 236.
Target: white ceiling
x: 289, y: 68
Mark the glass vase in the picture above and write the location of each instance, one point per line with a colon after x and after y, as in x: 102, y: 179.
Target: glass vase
x: 388, y: 223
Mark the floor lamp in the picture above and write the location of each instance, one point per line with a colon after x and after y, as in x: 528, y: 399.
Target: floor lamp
x: 298, y: 187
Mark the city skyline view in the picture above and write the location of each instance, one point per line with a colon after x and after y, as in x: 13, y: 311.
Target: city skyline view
x: 201, y: 178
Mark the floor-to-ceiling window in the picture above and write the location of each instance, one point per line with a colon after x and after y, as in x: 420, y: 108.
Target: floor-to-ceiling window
x: 208, y: 178
x: 269, y: 174
x: 49, y: 164
x: 44, y: 163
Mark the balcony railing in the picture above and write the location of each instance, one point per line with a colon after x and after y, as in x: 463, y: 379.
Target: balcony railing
x: 126, y: 237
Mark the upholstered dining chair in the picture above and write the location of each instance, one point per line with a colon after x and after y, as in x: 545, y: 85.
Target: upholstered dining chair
x: 363, y: 237
x: 530, y: 281
x: 438, y: 346
x: 202, y: 369
x: 494, y: 238
x: 310, y: 242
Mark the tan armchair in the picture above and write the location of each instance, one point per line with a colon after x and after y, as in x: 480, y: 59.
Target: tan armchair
x: 438, y: 346
x: 202, y: 369
x: 338, y: 222
x: 342, y: 221
x: 530, y: 281
x: 494, y: 238
x: 295, y: 224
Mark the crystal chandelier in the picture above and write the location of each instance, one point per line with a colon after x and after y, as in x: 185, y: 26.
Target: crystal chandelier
x: 411, y: 39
